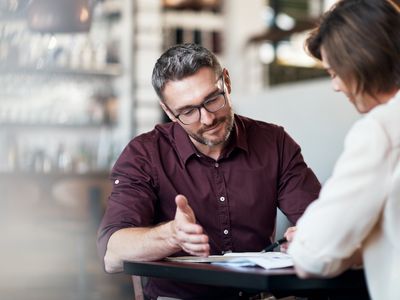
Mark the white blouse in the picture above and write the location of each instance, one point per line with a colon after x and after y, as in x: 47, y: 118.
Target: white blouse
x: 359, y: 207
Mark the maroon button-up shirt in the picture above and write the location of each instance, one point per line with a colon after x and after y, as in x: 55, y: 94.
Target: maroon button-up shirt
x: 235, y: 199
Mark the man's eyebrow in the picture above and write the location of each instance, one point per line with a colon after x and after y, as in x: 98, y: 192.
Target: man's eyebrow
x: 214, y: 93
x: 209, y: 95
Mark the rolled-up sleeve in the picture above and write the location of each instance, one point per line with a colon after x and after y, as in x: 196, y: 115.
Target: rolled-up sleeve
x: 132, y: 200
x: 297, y: 185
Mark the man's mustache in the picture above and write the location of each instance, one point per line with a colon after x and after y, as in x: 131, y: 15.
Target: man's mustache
x: 217, y: 122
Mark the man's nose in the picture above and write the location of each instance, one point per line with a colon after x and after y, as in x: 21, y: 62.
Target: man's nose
x: 206, y: 117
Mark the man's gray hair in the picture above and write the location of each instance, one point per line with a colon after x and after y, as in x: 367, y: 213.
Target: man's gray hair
x: 181, y: 61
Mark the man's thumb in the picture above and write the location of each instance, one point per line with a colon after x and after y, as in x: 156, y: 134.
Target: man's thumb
x: 183, y: 210
x: 182, y: 203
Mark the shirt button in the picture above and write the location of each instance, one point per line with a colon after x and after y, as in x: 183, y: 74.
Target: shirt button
x: 216, y: 165
x: 222, y: 199
x: 226, y: 231
x: 116, y: 181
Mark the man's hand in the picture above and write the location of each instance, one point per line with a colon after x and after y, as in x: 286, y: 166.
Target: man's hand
x: 289, y: 234
x: 186, y: 233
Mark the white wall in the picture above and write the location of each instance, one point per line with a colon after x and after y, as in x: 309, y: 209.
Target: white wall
x: 315, y: 116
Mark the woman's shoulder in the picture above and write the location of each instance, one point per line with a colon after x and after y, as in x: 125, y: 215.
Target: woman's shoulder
x: 387, y: 118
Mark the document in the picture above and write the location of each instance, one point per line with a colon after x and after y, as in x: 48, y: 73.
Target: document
x: 266, y: 260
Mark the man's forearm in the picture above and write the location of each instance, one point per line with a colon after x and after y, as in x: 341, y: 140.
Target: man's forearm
x: 141, y: 244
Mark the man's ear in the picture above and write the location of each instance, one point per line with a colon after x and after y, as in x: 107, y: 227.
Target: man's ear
x: 227, y: 80
x: 168, y: 112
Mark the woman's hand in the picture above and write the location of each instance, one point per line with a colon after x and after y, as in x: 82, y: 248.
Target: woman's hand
x: 289, y: 234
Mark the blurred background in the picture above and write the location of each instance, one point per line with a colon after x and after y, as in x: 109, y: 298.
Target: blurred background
x: 75, y: 88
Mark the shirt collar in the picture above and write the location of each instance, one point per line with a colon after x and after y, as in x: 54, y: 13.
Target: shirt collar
x: 183, y: 144
x: 240, y: 134
x: 186, y: 149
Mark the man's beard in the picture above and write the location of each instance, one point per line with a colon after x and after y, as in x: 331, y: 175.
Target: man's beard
x: 227, y: 121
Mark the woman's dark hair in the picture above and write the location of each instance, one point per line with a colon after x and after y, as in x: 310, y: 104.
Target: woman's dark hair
x: 181, y: 61
x: 361, y: 39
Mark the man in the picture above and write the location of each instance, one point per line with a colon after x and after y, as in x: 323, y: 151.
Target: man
x: 208, y: 183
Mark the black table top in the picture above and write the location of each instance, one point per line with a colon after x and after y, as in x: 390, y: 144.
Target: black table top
x: 351, y: 282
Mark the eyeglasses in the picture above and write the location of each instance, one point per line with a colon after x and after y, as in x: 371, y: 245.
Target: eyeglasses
x: 192, y: 114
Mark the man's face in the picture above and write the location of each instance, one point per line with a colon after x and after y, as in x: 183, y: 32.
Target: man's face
x: 211, y: 129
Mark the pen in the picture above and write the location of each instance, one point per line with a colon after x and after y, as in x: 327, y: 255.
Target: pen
x: 274, y: 245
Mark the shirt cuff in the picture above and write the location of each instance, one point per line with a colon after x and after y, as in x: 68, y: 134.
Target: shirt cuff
x: 306, y: 259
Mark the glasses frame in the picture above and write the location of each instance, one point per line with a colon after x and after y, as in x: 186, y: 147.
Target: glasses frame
x: 202, y: 105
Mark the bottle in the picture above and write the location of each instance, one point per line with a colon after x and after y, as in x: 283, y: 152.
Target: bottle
x: 64, y: 160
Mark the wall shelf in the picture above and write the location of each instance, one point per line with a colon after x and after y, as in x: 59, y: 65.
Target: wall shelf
x: 54, y: 175
x: 53, y: 126
x: 69, y: 91
x: 112, y: 70
x: 193, y: 20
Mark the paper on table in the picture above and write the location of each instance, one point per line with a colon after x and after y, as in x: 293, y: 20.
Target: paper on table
x: 267, y: 260
x: 199, y: 259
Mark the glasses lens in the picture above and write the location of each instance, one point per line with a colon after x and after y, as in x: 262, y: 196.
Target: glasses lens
x: 215, y: 104
x: 190, y: 117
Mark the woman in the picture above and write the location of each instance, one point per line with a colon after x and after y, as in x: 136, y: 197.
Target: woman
x: 358, y: 42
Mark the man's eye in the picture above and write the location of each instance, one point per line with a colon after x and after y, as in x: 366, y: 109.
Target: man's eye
x: 211, y: 100
x: 188, y: 112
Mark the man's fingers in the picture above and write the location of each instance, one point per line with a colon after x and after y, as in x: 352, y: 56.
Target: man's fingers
x: 190, y: 228
x: 197, y: 249
x: 192, y: 238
